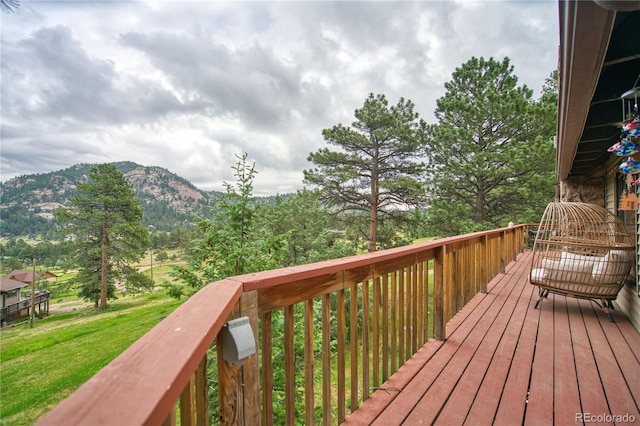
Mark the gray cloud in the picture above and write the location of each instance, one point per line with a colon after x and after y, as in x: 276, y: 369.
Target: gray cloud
x: 186, y: 85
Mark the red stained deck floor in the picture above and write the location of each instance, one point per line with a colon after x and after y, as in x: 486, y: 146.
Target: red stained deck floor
x: 506, y: 363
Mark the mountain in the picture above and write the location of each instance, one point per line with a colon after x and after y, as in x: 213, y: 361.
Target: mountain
x: 27, y: 202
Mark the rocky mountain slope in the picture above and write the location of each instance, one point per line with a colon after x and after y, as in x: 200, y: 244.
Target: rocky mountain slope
x: 27, y: 202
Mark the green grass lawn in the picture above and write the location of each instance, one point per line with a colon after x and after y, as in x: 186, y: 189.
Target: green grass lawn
x: 39, y: 367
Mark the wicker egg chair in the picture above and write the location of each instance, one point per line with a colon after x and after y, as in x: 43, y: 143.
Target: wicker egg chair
x: 581, y: 250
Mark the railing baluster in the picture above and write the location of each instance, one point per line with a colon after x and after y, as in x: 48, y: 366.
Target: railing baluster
x: 326, y: 359
x: 202, y: 393
x: 449, y: 283
x: 438, y: 293
x: 187, y: 406
x: 385, y: 327
x: 414, y: 309
x: 376, y: 331
x: 171, y: 418
x: 457, y: 293
x: 353, y: 344
x: 266, y: 353
x: 423, y: 282
x: 341, y: 324
x: 394, y: 321
x: 366, y: 348
x: 309, y: 400
x: 401, y: 316
x: 483, y: 262
x: 408, y: 338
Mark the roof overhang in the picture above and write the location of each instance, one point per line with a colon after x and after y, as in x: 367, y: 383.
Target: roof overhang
x: 8, y: 284
x: 599, y: 61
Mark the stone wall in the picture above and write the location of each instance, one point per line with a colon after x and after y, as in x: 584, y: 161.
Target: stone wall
x: 586, y: 190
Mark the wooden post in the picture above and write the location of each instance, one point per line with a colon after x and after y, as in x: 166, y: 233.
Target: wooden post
x: 229, y: 385
x: 438, y: 293
x: 239, y: 386
x: 33, y: 295
x: 251, y: 368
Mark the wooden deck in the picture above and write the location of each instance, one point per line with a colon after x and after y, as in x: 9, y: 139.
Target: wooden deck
x: 506, y: 363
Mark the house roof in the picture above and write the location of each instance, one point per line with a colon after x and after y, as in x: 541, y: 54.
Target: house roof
x: 7, y: 284
x: 599, y: 62
x: 26, y: 276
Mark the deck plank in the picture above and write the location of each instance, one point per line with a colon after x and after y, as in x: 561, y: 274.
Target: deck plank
x: 507, y: 363
x: 380, y: 399
x: 618, y: 395
x: 623, y: 354
x: 485, y: 405
x: 428, y: 409
x: 539, y: 409
x: 628, y: 332
x: 512, y: 404
x: 476, y: 375
x: 592, y: 396
x: 566, y: 395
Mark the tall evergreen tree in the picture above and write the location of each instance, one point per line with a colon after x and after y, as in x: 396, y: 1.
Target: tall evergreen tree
x: 105, y: 222
x: 377, y: 168
x: 491, y: 151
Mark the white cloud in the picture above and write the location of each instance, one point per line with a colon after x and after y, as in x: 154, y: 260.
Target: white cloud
x: 189, y: 85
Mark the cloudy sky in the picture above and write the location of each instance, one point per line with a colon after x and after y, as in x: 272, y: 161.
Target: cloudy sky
x: 186, y: 85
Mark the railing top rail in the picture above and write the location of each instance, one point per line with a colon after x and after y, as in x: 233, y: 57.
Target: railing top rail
x: 142, y: 384
x: 274, y: 277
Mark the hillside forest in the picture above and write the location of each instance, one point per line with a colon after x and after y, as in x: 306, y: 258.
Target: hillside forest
x: 392, y: 178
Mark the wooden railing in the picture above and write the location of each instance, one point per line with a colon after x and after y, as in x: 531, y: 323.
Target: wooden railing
x: 10, y: 311
x: 327, y: 334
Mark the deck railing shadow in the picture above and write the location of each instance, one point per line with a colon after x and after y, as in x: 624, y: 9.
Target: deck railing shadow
x: 326, y: 334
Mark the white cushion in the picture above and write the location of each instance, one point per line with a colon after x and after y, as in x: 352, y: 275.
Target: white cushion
x: 577, y: 258
x: 538, y: 275
x: 612, y: 267
x: 550, y: 263
x: 572, y: 270
x: 570, y: 267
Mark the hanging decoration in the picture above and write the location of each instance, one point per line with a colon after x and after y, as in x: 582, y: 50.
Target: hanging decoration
x: 631, y: 166
x: 632, y: 129
x: 627, y: 146
x: 624, y: 148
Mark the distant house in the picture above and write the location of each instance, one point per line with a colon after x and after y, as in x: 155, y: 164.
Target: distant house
x: 15, y: 304
x: 10, y: 290
x: 26, y: 276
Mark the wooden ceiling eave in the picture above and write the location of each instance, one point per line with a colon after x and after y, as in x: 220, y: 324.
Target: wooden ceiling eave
x: 585, y: 31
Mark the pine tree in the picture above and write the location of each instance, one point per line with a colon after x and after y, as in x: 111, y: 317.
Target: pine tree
x: 491, y: 151
x: 105, y: 223
x: 377, y: 170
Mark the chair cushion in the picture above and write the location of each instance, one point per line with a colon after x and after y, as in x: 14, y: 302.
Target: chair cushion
x: 570, y: 267
x: 613, y: 267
